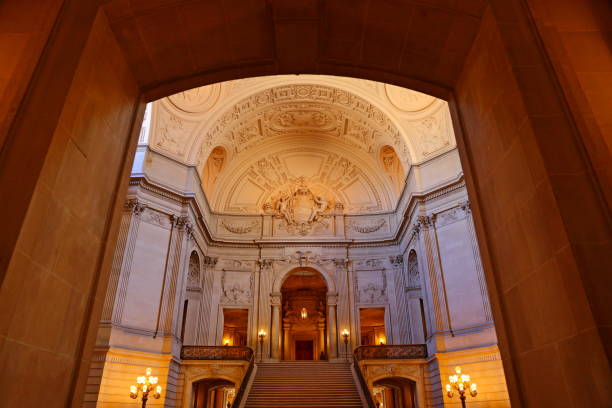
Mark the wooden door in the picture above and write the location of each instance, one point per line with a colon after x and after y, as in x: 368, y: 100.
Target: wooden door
x: 304, y: 350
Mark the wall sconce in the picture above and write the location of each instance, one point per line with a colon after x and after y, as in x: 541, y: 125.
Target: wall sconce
x: 381, y: 341
x: 345, y: 337
x: 226, y: 342
x: 145, y: 385
x: 261, y: 336
x: 304, y: 313
x: 460, y: 383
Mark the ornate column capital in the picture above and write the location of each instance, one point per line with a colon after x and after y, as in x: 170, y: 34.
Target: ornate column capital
x: 275, y: 299
x: 209, y: 261
x: 396, y: 260
x: 134, y: 205
x: 265, y: 263
x: 341, y: 263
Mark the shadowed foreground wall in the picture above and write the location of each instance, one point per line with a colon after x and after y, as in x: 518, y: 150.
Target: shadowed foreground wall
x: 536, y: 176
x: 47, y: 296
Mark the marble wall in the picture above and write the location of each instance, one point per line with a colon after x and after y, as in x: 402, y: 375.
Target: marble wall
x: 428, y: 280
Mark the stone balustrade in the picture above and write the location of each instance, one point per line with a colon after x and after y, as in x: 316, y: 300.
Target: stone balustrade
x: 216, y: 353
x: 393, y: 351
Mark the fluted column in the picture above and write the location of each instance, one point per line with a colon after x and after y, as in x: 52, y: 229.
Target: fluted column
x: 332, y: 331
x: 207, y: 288
x: 122, y: 261
x: 178, y: 239
x: 275, y: 331
x: 435, y: 278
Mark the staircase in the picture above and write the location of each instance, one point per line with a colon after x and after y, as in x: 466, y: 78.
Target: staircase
x: 298, y: 384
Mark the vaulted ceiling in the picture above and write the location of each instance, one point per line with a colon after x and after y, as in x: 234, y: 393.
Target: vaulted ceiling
x: 349, y: 141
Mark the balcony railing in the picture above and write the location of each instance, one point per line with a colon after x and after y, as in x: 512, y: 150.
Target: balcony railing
x: 216, y: 353
x: 392, y: 351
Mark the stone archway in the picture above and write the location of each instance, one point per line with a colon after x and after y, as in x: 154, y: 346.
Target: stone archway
x: 304, y: 315
x: 84, y: 78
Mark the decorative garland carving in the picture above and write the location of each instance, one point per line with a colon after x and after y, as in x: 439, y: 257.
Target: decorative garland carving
x: 239, y: 229
x: 368, y: 228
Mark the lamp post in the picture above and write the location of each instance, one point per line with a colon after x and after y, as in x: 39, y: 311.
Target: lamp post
x: 261, y: 336
x: 345, y: 337
x: 460, y: 383
x: 145, y: 385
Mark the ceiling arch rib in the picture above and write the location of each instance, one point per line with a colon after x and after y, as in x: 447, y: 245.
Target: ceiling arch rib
x: 285, y: 131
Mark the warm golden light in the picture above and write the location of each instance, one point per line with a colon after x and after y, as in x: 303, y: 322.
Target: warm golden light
x: 345, y: 332
x: 145, y: 384
x: 261, y: 334
x: 461, y: 383
x: 381, y: 341
x: 226, y: 342
x: 304, y: 313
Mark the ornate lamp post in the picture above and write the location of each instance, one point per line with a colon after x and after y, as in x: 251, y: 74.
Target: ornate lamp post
x: 460, y: 383
x: 261, y: 336
x: 145, y: 385
x: 345, y: 337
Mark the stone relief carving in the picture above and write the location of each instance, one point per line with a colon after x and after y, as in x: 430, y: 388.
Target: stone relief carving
x: 236, y: 287
x: 369, y: 227
x: 293, y: 107
x: 396, y: 260
x: 196, y: 100
x: 371, y: 286
x: 300, y: 209
x: 451, y: 215
x: 433, y: 133
x: 236, y: 264
x: 408, y: 100
x: 135, y: 206
x: 209, y: 261
x: 413, y: 280
x: 240, y: 229
x: 368, y: 264
x: 193, y: 275
x: 154, y: 217
x: 304, y: 258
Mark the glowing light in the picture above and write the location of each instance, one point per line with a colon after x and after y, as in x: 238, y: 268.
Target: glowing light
x: 304, y: 313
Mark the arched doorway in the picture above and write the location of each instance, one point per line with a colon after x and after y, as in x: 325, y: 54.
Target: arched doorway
x: 395, y: 392
x: 303, y: 297
x: 498, y: 78
x: 213, y: 393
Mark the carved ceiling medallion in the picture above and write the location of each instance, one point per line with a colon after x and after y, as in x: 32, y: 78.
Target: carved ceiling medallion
x: 300, y: 209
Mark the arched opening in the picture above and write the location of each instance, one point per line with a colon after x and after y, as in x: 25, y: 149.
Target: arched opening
x: 303, y: 297
x: 490, y: 59
x: 395, y: 392
x: 213, y: 393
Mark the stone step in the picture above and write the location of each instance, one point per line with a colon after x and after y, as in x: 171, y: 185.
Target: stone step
x: 303, y: 385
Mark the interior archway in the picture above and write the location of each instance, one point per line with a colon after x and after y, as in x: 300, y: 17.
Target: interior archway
x: 395, y: 392
x: 213, y: 393
x: 304, y: 304
x: 507, y: 100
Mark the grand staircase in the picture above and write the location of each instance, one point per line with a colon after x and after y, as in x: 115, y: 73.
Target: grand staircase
x: 297, y: 384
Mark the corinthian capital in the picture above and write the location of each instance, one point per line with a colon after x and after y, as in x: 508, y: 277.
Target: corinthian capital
x: 134, y: 206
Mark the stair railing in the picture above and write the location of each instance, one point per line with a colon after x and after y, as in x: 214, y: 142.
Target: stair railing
x: 244, y: 383
x: 362, y: 381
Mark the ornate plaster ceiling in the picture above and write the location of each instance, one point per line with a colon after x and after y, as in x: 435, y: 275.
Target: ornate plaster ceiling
x: 271, y: 134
